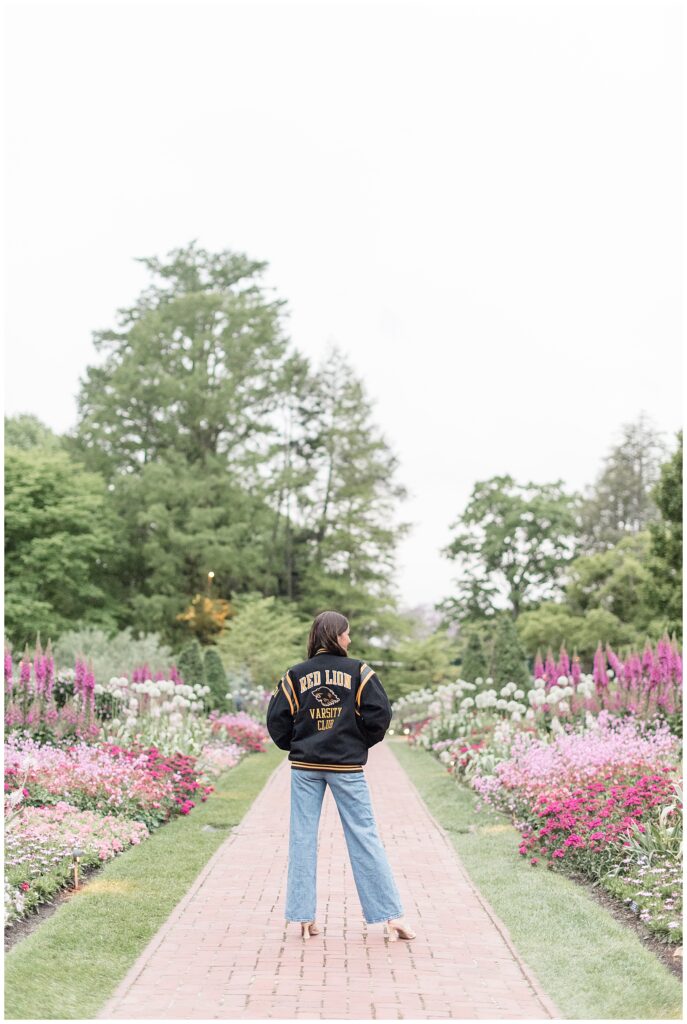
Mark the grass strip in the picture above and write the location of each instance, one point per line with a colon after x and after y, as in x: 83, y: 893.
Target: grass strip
x: 70, y: 966
x: 590, y: 964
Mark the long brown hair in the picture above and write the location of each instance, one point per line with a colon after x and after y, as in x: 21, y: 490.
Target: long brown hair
x: 324, y: 632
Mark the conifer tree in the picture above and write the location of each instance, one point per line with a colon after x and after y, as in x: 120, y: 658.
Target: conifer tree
x: 508, y: 663
x: 474, y: 664
x: 190, y: 664
x: 216, y: 679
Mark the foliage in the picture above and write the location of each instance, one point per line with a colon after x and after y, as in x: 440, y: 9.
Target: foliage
x: 263, y: 640
x: 224, y: 451
x: 181, y: 520
x: 621, y: 504
x: 349, y: 511
x: 554, y: 624
x: 194, y: 365
x: 191, y: 665
x: 663, y: 586
x: 27, y: 431
x: 206, y: 617
x: 427, y: 660
x: 60, y: 545
x: 519, y: 537
x: 110, y: 654
x: 473, y: 664
x: 507, y: 663
x: 216, y: 677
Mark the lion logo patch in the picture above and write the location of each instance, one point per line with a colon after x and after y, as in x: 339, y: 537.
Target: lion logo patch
x: 325, y: 696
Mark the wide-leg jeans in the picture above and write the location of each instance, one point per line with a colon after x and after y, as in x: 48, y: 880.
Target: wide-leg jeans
x: 379, y: 897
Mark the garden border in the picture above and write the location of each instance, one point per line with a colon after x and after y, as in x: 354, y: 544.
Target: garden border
x: 140, y: 962
x: 529, y: 975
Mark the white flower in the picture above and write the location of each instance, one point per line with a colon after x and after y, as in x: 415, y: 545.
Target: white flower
x: 562, y: 680
x: 467, y: 702
x: 563, y: 705
x: 501, y: 704
x: 539, y: 683
x: 519, y: 694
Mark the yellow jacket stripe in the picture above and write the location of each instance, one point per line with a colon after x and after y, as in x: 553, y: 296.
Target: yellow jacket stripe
x: 286, y: 694
x: 365, y: 673
x: 329, y: 767
x: 287, y: 677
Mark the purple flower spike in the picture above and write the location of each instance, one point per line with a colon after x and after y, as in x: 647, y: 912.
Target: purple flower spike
x: 9, y: 670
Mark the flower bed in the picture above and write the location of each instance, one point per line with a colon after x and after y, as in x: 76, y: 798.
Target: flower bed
x: 134, y: 784
x: 587, y: 767
x: 39, y: 847
x: 239, y: 728
x: 96, y: 766
x: 219, y: 757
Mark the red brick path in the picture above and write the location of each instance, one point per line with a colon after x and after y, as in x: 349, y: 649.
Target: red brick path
x: 225, y: 951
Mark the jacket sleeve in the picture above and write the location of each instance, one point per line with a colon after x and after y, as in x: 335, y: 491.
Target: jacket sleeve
x: 279, y: 718
x: 372, y: 706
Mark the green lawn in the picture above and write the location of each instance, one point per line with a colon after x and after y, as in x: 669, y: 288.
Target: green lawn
x: 589, y: 963
x: 71, y: 964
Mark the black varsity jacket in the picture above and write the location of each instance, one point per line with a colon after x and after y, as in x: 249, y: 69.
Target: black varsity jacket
x: 327, y: 712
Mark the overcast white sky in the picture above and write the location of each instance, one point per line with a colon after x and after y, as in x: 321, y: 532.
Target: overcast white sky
x: 480, y: 203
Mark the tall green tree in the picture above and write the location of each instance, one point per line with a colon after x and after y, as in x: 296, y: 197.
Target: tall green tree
x: 27, y: 431
x: 515, y: 540
x: 350, y: 512
x: 61, y: 544
x: 620, y: 503
x: 195, y: 367
x: 663, y: 586
x: 182, y: 520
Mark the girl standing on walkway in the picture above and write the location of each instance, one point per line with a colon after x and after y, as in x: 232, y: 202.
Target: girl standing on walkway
x: 327, y: 712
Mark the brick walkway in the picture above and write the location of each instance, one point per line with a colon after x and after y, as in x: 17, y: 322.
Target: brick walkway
x: 226, y: 953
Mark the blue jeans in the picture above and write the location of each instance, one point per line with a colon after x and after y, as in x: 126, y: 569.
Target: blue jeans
x: 379, y: 897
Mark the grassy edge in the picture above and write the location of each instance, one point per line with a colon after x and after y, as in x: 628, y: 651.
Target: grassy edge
x: 591, y: 965
x: 72, y: 963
